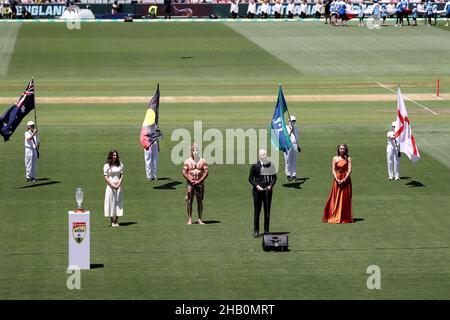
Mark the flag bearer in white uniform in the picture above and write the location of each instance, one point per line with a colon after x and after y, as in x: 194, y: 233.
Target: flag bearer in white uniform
x: 31, y: 151
x: 292, y: 155
x: 151, y: 161
x: 393, y: 154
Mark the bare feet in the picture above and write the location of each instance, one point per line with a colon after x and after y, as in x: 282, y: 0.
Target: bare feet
x: 189, y: 221
x: 200, y: 221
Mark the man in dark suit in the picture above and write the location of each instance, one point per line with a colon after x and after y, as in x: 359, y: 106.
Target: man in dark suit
x: 263, y: 178
x: 13, y: 9
x: 326, y: 5
x: 167, y: 9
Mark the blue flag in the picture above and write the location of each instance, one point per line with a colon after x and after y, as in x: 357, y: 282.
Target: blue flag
x: 11, y: 119
x: 279, y: 133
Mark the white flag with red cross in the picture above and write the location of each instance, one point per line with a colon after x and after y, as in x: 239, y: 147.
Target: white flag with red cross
x: 403, y: 132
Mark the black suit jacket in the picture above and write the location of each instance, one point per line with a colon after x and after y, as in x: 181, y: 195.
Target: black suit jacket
x: 167, y: 9
x: 255, y: 178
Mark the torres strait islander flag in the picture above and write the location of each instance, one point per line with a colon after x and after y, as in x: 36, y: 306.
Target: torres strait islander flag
x: 403, y: 132
x: 279, y: 133
x: 150, y: 132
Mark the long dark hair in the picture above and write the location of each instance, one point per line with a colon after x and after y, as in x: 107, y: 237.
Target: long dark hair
x: 346, y: 155
x: 110, y: 158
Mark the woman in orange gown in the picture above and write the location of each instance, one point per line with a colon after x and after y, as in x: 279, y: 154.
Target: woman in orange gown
x: 339, y: 203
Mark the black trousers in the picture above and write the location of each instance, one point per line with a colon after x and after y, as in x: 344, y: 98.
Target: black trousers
x: 399, y: 18
x: 167, y: 11
x: 406, y: 15
x: 262, y: 199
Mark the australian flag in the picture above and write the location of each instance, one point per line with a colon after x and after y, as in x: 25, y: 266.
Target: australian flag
x: 11, y: 119
x: 279, y: 133
x: 150, y: 132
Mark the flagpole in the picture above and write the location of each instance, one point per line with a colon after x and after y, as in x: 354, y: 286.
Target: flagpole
x: 34, y: 95
x: 395, y: 139
x: 35, y: 114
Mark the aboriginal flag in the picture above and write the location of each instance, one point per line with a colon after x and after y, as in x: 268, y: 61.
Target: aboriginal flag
x: 11, y: 119
x: 150, y: 132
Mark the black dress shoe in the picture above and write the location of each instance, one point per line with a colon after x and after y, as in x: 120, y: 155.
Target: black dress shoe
x: 294, y: 178
x: 288, y: 178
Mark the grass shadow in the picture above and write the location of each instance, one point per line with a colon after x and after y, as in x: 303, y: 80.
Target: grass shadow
x: 96, y: 265
x: 278, y: 233
x: 296, y: 184
x: 415, y: 184
x: 260, y: 235
x: 168, y: 186
x: 209, y: 221
x: 277, y: 250
x: 126, y: 224
x: 358, y: 219
x: 37, y: 184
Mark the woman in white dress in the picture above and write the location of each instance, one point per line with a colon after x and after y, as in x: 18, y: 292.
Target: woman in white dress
x: 113, y: 174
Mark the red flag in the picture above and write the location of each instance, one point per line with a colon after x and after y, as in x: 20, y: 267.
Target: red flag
x: 350, y: 16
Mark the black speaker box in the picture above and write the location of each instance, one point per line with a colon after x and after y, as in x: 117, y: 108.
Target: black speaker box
x: 275, y: 242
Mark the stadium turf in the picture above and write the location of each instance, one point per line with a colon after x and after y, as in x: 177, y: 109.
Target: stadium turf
x: 402, y: 226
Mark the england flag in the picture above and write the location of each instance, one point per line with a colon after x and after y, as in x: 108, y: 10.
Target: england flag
x: 403, y: 132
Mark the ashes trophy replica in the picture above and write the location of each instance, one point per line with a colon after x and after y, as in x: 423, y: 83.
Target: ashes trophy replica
x: 79, y: 199
x: 79, y: 235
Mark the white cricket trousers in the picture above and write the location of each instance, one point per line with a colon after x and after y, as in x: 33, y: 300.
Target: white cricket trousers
x: 151, y: 161
x: 30, y: 163
x: 290, y: 160
x: 393, y: 162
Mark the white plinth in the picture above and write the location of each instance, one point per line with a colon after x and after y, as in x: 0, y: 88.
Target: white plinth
x: 79, y: 240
